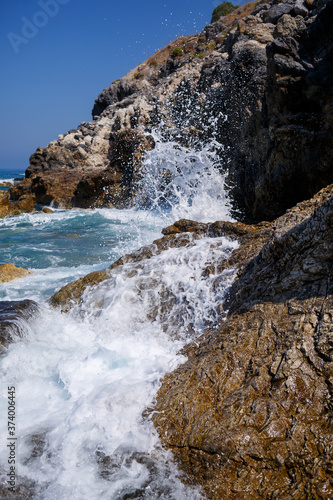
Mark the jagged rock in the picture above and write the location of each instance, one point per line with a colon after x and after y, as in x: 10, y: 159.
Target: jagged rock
x: 115, y: 186
x: 300, y: 8
x: 9, y: 272
x: 250, y: 413
x: 276, y: 11
x: 174, y: 236
x: 24, y: 204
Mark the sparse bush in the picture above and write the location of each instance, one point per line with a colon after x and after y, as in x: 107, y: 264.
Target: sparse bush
x: 222, y: 10
x: 176, y: 52
x: 201, y: 55
x: 211, y: 45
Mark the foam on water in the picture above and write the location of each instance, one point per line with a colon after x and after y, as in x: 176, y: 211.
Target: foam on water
x: 65, y: 245
x: 85, y: 378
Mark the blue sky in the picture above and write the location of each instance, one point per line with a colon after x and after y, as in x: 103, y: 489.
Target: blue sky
x: 58, y: 55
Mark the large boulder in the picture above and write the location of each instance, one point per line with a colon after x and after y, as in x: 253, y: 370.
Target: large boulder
x: 250, y: 413
x: 9, y: 272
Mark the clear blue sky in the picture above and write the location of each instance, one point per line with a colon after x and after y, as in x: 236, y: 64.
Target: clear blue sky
x: 58, y: 55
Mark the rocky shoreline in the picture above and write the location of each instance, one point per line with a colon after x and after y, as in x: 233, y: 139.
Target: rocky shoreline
x: 249, y: 414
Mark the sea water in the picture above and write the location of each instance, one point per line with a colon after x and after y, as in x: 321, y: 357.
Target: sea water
x: 84, y: 379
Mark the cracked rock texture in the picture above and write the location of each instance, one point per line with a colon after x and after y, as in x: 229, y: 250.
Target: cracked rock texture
x: 250, y: 414
x: 259, y: 81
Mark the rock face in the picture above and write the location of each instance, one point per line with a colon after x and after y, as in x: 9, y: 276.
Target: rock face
x: 250, y: 413
x: 258, y: 80
x: 176, y: 235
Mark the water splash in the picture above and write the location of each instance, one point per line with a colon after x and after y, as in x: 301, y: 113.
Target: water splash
x: 86, y: 378
x: 184, y: 182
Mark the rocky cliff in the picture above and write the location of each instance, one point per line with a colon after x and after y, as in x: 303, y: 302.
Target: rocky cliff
x: 259, y: 81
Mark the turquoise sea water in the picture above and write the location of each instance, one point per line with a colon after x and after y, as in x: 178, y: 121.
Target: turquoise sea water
x: 9, y: 175
x: 84, y: 379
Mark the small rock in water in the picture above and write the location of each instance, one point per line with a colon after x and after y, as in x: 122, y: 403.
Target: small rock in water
x: 11, y: 312
x: 9, y: 272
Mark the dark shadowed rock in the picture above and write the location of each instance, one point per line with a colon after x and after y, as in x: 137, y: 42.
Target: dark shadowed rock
x: 13, y: 315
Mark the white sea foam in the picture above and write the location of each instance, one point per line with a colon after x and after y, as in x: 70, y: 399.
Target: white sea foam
x: 85, y: 378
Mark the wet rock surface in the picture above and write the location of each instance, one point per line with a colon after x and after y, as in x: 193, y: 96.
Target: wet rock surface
x: 259, y: 81
x: 250, y: 413
x: 13, y: 315
x: 25, y: 203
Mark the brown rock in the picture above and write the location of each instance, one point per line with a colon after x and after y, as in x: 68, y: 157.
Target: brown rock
x: 116, y: 185
x: 249, y: 414
x: 9, y: 272
x: 71, y: 294
x: 24, y: 204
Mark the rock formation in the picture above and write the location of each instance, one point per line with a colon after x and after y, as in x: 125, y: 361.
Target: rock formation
x: 258, y: 80
x: 24, y: 204
x: 250, y: 413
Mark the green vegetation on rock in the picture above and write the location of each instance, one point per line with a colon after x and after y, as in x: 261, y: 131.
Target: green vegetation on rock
x: 222, y: 10
x: 176, y: 52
